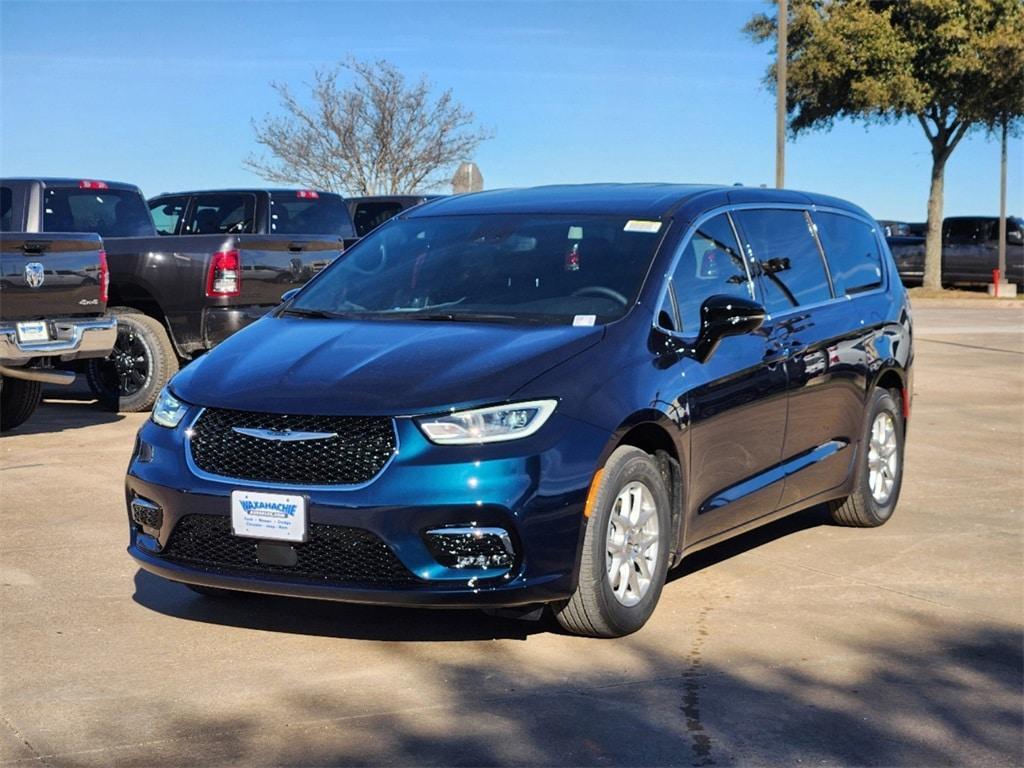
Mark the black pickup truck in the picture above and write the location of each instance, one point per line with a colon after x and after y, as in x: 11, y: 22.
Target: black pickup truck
x: 53, y: 296
x: 970, y: 251
x: 212, y: 263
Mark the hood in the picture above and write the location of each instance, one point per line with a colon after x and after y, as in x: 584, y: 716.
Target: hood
x: 351, y: 367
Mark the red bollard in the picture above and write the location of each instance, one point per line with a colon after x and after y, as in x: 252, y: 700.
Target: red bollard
x: 995, y: 282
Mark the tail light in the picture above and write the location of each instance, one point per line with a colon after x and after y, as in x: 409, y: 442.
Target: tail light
x: 104, y: 278
x: 224, y: 278
x: 89, y: 184
x: 307, y: 194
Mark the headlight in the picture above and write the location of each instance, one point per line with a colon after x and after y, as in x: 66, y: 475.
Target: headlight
x: 488, y: 425
x: 168, y: 411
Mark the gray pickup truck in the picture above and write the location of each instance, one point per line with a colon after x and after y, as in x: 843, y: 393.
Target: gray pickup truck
x: 188, y: 269
x: 53, y: 297
x: 970, y: 251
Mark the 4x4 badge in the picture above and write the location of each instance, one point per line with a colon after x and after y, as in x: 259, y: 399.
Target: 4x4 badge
x: 34, y: 274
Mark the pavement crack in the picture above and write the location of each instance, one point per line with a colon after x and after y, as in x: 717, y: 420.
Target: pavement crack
x: 21, y: 737
x: 693, y: 676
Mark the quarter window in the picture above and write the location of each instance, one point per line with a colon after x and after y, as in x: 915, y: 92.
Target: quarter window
x: 785, y: 249
x: 222, y: 214
x: 711, y: 263
x: 851, y: 249
x: 6, y: 208
x: 167, y: 213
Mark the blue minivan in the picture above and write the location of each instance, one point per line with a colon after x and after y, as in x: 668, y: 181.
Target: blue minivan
x: 539, y: 397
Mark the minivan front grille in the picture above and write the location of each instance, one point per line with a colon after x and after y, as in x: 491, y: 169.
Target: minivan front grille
x: 331, y: 553
x: 340, y: 450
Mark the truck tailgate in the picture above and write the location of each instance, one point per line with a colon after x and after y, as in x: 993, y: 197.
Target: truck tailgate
x: 49, y: 274
x: 273, y: 264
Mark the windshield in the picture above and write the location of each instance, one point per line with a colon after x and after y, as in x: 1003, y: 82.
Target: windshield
x: 300, y: 213
x: 580, y: 270
x: 108, y: 212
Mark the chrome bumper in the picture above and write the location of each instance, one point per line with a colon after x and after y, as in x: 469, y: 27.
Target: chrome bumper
x: 73, y: 339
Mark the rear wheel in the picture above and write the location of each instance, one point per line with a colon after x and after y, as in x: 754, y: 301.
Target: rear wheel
x: 879, y: 467
x: 625, y: 550
x: 19, y: 399
x: 141, y: 363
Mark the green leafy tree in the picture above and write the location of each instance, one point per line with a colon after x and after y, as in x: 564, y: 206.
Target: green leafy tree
x: 948, y: 64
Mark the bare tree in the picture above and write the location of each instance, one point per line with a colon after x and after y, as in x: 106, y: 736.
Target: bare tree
x: 379, y: 135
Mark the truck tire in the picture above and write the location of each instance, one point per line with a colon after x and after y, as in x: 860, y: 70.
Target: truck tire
x: 879, y: 471
x: 142, y: 362
x: 18, y: 400
x: 625, y: 549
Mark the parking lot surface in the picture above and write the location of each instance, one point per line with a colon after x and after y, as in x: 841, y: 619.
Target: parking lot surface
x: 800, y: 642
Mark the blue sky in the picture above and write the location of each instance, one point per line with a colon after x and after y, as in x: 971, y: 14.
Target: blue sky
x: 162, y: 94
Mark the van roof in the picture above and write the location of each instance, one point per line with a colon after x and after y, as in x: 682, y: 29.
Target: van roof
x: 648, y: 201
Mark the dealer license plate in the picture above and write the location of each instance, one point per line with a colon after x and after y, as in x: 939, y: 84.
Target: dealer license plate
x: 33, y: 331
x: 268, y: 515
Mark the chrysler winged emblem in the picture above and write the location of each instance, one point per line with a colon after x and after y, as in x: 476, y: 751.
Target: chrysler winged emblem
x: 283, y: 435
x: 34, y: 274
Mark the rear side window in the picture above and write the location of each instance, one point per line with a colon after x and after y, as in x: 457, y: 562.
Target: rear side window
x: 967, y: 231
x: 222, y: 214
x: 851, y: 249
x: 167, y: 213
x: 108, y: 212
x: 299, y: 213
x: 786, y: 250
x: 710, y: 264
x: 6, y: 209
x: 369, y: 216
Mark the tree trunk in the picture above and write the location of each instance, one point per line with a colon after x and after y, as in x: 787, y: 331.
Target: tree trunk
x: 933, y: 238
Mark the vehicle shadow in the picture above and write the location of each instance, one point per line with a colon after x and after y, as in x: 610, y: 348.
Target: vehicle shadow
x: 60, y: 412
x: 719, y: 553
x: 325, y: 618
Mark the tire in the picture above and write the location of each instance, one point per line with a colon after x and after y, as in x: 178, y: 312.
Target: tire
x: 142, y: 362
x: 869, y: 506
x: 19, y: 399
x: 608, y: 604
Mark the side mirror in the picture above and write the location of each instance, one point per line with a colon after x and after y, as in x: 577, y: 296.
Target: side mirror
x: 722, y: 316
x: 288, y: 295
x: 1014, y: 236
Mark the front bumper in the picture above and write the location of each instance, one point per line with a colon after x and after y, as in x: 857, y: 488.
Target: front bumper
x: 73, y: 339
x: 533, y: 488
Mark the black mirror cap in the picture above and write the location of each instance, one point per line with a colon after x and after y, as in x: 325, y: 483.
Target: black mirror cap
x: 722, y: 316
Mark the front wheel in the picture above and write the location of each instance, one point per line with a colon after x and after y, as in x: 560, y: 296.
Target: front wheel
x: 141, y: 363
x: 625, y: 550
x: 879, y: 467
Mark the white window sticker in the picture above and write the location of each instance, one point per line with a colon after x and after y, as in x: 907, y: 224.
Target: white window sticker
x: 584, y: 319
x: 636, y: 225
x: 575, y: 233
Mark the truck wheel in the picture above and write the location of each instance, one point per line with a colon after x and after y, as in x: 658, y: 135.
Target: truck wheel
x: 625, y: 550
x: 18, y: 400
x: 879, y: 467
x: 141, y: 363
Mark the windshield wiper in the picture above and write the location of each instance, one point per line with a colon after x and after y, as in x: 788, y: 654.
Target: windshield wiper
x: 469, y: 317
x: 320, y: 313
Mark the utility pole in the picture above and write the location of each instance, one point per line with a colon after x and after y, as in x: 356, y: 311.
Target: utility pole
x: 780, y: 95
x: 1002, y: 207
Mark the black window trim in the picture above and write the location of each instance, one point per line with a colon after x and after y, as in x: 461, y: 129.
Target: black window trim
x: 729, y: 209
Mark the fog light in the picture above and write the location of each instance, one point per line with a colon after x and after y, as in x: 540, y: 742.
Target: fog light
x: 147, y: 513
x: 471, y: 548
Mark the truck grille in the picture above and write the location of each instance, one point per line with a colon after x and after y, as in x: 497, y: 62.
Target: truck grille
x: 332, y: 553
x: 360, y: 448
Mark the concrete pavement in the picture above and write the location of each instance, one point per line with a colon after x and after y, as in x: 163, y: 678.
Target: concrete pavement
x: 800, y: 643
